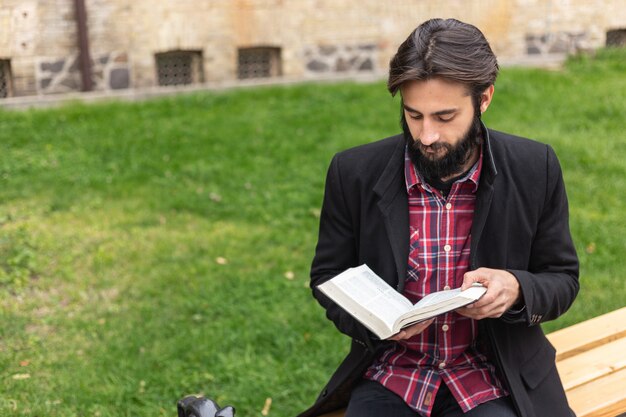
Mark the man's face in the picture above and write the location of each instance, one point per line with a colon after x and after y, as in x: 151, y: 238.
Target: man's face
x: 443, y: 125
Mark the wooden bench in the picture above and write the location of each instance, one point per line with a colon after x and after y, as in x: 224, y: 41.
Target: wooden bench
x: 591, y: 359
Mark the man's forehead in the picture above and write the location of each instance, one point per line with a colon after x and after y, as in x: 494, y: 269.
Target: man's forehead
x: 435, y: 97
x: 437, y: 82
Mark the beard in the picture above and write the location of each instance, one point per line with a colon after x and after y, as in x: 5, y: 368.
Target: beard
x: 453, y: 160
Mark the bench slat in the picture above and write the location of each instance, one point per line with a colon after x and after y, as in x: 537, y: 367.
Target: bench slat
x: 593, y: 364
x: 605, y: 397
x: 584, y: 336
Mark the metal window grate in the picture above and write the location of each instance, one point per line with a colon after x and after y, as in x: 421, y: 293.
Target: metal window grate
x: 259, y: 62
x: 616, y: 37
x: 5, y: 78
x: 179, y: 67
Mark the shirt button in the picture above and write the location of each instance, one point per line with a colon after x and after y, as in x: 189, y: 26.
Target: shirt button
x: 447, y: 287
x: 445, y: 327
x: 447, y: 248
x: 448, y: 206
x: 442, y: 365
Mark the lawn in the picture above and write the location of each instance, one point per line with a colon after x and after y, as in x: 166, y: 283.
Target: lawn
x: 156, y: 249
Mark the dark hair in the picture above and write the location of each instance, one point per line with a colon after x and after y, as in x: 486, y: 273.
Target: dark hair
x: 449, y: 49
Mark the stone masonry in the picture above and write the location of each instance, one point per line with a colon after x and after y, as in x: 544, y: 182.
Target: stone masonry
x: 314, y: 37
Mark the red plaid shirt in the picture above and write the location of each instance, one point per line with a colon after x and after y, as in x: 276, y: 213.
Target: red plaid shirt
x: 439, y: 256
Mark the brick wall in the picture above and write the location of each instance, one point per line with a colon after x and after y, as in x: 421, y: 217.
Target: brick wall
x: 315, y: 37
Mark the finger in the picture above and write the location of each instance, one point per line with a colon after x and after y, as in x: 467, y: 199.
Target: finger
x: 411, y: 331
x: 419, y: 327
x: 398, y: 336
x: 481, y: 312
x: 467, y: 312
x: 468, y: 280
x: 472, y: 277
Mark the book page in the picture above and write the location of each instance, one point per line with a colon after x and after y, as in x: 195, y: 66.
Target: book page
x: 436, y: 298
x: 366, y: 288
x: 438, y: 303
x: 442, y: 297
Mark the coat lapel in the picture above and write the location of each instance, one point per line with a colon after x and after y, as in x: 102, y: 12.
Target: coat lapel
x: 484, y: 196
x: 394, y: 206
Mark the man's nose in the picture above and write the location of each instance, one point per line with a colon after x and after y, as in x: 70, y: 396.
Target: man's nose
x: 429, y: 134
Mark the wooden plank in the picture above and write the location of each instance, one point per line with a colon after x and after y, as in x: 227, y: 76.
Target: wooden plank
x: 593, y: 364
x: 584, y: 336
x: 604, y: 397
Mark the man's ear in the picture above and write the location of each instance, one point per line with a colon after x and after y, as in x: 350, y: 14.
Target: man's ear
x: 486, y: 97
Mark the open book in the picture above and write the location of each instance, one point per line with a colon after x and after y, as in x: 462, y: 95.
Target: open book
x: 382, y: 309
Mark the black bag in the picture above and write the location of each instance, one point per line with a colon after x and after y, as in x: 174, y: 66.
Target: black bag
x: 192, y: 406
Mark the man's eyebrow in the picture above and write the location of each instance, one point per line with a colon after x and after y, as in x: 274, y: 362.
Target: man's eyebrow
x: 437, y: 113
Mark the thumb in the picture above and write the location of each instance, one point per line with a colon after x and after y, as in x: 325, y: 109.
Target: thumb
x: 472, y: 277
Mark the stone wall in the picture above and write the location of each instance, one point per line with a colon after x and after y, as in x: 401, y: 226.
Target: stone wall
x: 61, y: 75
x: 323, y: 59
x: 315, y: 37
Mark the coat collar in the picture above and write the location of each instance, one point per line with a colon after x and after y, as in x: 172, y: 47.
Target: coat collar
x: 394, y: 206
x: 489, y: 168
x: 484, y: 197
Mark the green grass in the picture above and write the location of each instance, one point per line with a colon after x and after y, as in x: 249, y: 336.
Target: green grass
x: 156, y: 249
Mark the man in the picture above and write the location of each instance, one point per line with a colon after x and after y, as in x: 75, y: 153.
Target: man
x: 447, y: 204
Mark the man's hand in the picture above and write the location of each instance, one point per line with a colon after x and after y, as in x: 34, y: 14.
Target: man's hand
x: 502, y: 292
x: 411, y: 331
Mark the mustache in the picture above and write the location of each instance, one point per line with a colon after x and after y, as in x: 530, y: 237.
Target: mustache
x: 417, y: 145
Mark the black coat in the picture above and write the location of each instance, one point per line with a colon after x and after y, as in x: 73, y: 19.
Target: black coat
x: 520, y: 224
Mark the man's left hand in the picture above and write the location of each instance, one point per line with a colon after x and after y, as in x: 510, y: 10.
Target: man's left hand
x: 502, y: 292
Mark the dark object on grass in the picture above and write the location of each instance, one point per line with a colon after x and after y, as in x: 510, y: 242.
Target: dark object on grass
x: 192, y: 406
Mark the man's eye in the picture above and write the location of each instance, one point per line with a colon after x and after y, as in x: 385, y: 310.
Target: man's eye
x: 445, y: 119
x: 415, y: 116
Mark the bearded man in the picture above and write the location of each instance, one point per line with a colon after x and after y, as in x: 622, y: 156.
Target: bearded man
x: 446, y: 204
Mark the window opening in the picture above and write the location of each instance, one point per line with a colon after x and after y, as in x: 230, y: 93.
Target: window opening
x: 179, y: 67
x: 259, y: 62
x: 6, y: 81
x: 616, y: 37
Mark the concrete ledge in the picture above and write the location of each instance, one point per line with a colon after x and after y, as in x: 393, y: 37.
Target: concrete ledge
x: 137, y: 94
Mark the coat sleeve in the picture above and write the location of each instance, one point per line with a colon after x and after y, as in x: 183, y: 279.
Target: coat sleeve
x: 550, y: 284
x: 336, y: 250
